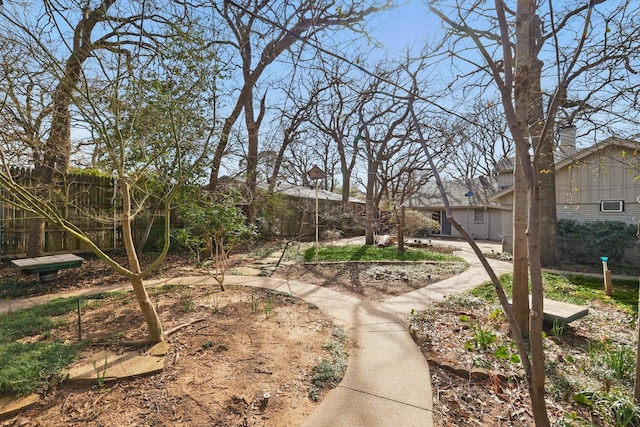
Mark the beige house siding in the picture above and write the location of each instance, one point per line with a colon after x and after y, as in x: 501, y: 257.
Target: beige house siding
x: 466, y: 197
x: 609, y: 174
x: 607, y: 171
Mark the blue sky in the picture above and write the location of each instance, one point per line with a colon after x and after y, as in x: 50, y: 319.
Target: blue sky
x: 406, y: 26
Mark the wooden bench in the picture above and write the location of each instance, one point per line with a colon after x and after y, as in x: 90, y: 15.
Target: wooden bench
x: 560, y: 312
x: 47, y: 266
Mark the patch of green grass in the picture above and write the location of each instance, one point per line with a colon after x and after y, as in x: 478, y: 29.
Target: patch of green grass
x: 35, y: 320
x: 487, y: 292
x: 29, y: 368
x: 625, y: 292
x: 57, y: 307
x: 19, y: 325
x: 573, y: 289
x: 374, y: 253
x: 33, y: 367
x: 113, y: 294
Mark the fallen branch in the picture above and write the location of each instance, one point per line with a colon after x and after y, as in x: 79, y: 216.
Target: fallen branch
x: 177, y: 328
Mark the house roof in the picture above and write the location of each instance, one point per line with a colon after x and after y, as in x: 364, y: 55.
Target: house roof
x: 309, y: 193
x: 298, y: 191
x: 506, y: 164
x: 609, y: 142
x: 586, y: 152
x: 461, y: 193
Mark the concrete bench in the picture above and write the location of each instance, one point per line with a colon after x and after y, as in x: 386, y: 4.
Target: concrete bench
x: 47, y: 266
x: 561, y: 313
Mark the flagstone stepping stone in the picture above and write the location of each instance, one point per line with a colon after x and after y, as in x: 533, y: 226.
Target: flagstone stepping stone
x: 106, y: 367
x: 10, y: 405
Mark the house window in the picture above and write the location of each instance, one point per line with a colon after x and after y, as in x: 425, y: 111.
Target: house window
x: 612, y: 206
x: 478, y: 216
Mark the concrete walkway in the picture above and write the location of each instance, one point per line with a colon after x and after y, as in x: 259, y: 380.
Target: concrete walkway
x: 387, y: 382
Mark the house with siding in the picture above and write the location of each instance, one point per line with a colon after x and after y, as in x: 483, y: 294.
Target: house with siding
x: 470, y: 206
x: 601, y: 182
x: 598, y: 183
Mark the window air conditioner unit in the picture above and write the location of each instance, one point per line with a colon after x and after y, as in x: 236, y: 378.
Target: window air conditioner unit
x: 612, y: 206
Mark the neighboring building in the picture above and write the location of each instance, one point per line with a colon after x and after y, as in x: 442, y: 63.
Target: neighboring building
x: 295, y: 216
x: 470, y: 206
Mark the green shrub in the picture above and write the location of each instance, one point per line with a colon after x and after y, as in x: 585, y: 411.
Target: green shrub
x: 590, y: 240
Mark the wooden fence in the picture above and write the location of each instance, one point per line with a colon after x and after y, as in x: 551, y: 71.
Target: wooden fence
x: 91, y: 203
x: 87, y: 201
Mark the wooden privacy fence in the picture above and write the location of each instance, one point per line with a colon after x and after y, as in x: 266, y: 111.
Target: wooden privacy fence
x: 87, y: 201
x: 91, y: 204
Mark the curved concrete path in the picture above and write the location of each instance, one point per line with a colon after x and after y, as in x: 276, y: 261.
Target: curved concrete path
x: 387, y: 382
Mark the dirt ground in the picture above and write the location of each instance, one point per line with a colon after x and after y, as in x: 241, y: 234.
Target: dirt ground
x: 251, y: 344
x: 248, y: 362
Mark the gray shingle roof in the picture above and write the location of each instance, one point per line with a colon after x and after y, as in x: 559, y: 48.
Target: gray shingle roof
x: 461, y: 193
x: 309, y: 193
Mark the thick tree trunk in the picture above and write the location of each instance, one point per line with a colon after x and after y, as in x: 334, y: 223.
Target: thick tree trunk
x: 252, y: 196
x: 252, y: 158
x: 346, y: 189
x: 526, y: 60
x: 538, y: 372
x: 57, y: 148
x: 57, y: 151
x: 546, y: 164
x: 548, y: 214
x: 43, y: 173
x: 221, y: 148
x: 520, y: 190
x: 370, y: 205
x: 346, y: 168
x: 35, y: 243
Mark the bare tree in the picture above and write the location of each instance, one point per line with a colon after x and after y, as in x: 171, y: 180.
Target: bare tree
x: 402, y: 175
x: 25, y: 103
x: 512, y: 57
x: 334, y: 116
x: 260, y: 32
x: 149, y: 113
x: 479, y: 140
x: 60, y: 39
x: 384, y: 128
